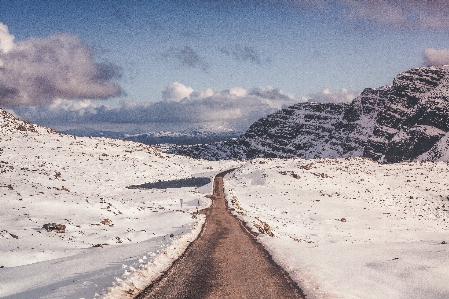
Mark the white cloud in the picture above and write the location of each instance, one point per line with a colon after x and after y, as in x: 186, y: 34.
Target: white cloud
x: 176, y: 92
x: 326, y: 96
x: 203, y: 94
x: 6, y: 39
x: 80, y: 108
x: 433, y: 57
x: 236, y: 107
x: 237, y: 92
x: 39, y: 70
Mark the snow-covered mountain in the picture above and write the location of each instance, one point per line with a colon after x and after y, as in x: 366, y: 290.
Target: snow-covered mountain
x: 404, y: 121
x: 201, y: 135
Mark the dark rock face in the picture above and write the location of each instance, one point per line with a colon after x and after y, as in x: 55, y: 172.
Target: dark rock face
x: 401, y: 122
x: 415, y: 118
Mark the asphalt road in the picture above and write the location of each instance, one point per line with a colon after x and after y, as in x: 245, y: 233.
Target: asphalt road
x: 224, y: 262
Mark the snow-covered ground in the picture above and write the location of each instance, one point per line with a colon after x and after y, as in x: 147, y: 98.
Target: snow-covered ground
x: 343, y: 228
x: 350, y: 228
x: 115, y: 239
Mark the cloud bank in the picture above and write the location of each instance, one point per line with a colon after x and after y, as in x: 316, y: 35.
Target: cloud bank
x: 176, y: 92
x: 236, y: 107
x: 326, y: 96
x: 39, y: 70
x: 6, y: 39
x: 433, y: 57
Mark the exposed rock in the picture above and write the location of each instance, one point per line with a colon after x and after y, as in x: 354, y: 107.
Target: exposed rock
x: 9, y: 122
x: 106, y: 222
x: 415, y: 118
x: 59, y: 228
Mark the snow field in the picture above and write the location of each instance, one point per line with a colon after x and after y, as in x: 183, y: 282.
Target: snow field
x: 115, y: 239
x: 350, y: 228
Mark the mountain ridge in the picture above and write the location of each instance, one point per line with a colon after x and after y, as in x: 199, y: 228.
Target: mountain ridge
x: 405, y: 121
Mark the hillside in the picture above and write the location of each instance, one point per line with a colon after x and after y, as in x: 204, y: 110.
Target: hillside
x: 70, y: 227
x: 350, y: 228
x: 101, y: 218
x: 407, y: 120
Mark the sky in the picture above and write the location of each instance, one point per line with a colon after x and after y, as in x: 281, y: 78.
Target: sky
x: 176, y: 64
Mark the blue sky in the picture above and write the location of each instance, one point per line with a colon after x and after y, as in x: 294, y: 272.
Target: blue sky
x: 248, y: 58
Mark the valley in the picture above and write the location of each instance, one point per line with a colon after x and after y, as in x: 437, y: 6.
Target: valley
x: 320, y: 186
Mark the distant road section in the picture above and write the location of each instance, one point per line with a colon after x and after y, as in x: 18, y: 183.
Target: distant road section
x: 224, y: 262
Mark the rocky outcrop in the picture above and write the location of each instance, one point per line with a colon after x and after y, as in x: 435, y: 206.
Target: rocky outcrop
x: 404, y: 121
x: 10, y: 123
x: 415, y: 118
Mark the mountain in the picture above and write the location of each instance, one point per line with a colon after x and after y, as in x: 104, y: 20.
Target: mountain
x: 407, y: 120
x: 187, y: 137
x: 415, y: 122
x: 201, y: 135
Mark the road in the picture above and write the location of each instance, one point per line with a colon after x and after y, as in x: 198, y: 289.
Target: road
x: 224, y: 262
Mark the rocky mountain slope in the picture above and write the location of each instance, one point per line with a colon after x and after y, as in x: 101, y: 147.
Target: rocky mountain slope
x: 404, y: 121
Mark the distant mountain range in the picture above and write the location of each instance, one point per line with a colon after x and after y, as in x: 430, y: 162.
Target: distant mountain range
x: 187, y: 137
x: 408, y: 120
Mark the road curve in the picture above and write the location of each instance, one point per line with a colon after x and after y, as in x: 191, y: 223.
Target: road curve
x: 224, y: 262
